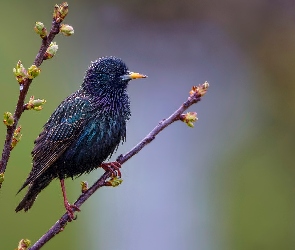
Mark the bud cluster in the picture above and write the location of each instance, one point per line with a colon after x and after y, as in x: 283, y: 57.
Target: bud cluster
x: 35, y: 104
x: 60, y: 12
x: 199, y: 90
x: 189, y: 118
x: 24, y: 244
x: 21, y: 74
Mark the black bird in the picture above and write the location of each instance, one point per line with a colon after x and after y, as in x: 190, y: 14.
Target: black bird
x: 84, y: 130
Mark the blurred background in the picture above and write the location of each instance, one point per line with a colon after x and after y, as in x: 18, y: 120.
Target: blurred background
x: 229, y: 183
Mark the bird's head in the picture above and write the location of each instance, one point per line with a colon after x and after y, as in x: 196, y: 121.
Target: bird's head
x: 108, y: 73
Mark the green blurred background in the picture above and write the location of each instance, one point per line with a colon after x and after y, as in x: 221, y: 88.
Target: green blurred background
x: 226, y: 184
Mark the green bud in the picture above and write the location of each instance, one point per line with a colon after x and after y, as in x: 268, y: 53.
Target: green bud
x: 20, y: 72
x: 84, y: 186
x: 8, y: 119
x: 190, y: 124
x: 33, y: 71
x: 16, y: 137
x: 38, y: 108
x: 114, y: 182
x: 66, y: 30
x: 23, y: 244
x: 189, y: 118
x: 199, y: 90
x: 51, y: 50
x: 38, y: 102
x: 205, y: 85
x: 35, y: 104
x: 40, y: 29
x: 60, y: 12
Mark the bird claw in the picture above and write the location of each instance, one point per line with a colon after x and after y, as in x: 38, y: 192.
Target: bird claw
x: 71, y: 208
x: 112, y: 167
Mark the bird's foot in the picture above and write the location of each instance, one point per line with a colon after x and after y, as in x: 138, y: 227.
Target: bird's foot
x: 112, y: 167
x: 71, y: 208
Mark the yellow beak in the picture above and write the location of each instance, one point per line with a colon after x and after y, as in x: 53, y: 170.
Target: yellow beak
x: 132, y: 75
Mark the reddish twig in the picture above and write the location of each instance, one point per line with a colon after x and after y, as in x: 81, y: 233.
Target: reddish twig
x: 195, y: 96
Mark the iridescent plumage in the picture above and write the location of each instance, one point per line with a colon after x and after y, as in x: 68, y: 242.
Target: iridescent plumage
x: 84, y: 130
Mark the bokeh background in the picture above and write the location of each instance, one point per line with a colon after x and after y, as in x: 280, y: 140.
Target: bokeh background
x: 229, y: 183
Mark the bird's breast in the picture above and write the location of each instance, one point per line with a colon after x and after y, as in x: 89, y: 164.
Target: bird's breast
x: 95, y: 143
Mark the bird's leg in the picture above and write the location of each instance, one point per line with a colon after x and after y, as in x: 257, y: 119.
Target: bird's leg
x: 69, y: 207
x: 113, y: 167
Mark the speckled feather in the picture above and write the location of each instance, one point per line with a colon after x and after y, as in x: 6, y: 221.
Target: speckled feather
x: 84, y: 130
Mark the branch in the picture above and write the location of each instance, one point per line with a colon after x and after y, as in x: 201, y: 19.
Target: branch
x: 25, y: 78
x: 195, y: 96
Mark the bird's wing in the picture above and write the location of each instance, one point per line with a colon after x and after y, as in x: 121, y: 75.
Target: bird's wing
x: 62, y: 128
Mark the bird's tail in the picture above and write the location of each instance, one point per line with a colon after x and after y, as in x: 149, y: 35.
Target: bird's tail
x: 34, y: 189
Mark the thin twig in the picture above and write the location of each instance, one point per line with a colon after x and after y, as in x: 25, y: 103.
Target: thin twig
x: 59, y: 226
x: 23, y: 93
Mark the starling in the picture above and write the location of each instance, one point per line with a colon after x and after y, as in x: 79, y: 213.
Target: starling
x: 84, y: 130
